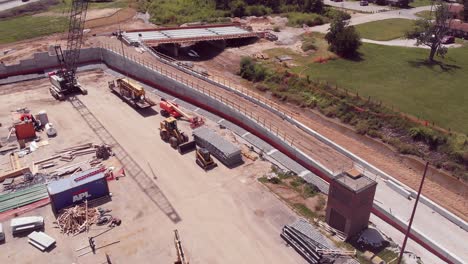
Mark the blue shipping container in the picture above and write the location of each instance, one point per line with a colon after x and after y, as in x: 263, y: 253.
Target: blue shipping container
x: 87, y: 185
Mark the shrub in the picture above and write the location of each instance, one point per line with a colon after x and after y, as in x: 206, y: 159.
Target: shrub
x: 332, y: 13
x: 251, y: 70
x: 298, y: 19
x: 275, y: 180
x: 308, y: 45
x: 320, y: 203
x: 310, y: 191
x: 257, y: 10
x: 362, y: 127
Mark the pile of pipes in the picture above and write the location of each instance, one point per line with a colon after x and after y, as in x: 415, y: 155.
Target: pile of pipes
x: 77, y: 219
x: 311, y: 244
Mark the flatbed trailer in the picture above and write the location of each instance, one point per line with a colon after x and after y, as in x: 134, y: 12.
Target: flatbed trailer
x: 131, y: 92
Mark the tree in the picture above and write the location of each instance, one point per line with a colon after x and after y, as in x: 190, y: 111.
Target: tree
x: 465, y: 11
x: 238, y: 8
x: 343, y: 39
x: 313, y: 6
x: 431, y: 32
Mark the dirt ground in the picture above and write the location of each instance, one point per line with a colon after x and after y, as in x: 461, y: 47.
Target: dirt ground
x: 216, y: 222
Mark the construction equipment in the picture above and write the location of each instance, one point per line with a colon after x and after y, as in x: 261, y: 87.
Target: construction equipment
x: 204, y: 159
x: 64, y: 80
x: 170, y: 133
x: 172, y: 109
x: 180, y: 251
x: 131, y: 92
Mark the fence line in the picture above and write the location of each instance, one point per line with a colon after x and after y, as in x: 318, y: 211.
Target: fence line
x: 217, y: 96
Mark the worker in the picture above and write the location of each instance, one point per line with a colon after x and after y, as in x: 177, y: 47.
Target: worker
x: 92, y: 245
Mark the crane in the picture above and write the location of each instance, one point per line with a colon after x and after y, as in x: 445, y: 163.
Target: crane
x: 180, y: 251
x: 172, y: 109
x: 64, y: 80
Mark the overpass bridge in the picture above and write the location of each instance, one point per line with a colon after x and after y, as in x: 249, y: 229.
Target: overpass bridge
x: 190, y: 34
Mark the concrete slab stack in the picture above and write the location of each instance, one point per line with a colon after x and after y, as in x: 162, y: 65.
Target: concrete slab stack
x: 226, y: 152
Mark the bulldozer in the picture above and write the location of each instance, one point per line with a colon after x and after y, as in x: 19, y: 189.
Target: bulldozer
x: 131, y: 92
x: 204, y: 159
x: 170, y: 133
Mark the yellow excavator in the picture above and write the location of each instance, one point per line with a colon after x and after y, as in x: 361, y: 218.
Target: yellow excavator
x: 170, y: 133
x: 131, y: 92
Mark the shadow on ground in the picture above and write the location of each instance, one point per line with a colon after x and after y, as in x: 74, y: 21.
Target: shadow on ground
x: 434, y: 65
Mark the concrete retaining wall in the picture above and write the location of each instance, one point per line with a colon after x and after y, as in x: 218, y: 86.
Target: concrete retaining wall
x: 42, y: 62
x: 417, y: 236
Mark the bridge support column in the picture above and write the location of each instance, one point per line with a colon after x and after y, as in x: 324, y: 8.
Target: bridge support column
x: 171, y: 48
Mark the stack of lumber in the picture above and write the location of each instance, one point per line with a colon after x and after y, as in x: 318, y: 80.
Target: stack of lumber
x: 23, y: 197
x: 69, y: 154
x: 77, y: 219
x: 41, y: 240
x: 25, y: 224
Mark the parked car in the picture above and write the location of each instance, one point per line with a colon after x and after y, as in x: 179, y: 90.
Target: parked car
x: 448, y: 40
x: 364, y: 3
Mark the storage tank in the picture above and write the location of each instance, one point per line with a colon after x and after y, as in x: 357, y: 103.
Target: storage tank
x: 42, y: 116
x: 87, y: 185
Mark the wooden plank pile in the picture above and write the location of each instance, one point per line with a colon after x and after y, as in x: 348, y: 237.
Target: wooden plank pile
x: 77, y: 219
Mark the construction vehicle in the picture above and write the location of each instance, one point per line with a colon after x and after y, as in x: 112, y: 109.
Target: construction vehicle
x: 170, y: 133
x: 131, y: 92
x: 204, y: 159
x: 172, y: 109
x: 180, y: 251
x: 64, y: 80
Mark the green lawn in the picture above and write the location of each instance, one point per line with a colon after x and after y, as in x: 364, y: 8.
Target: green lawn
x: 425, y: 14
x: 385, y: 29
x: 399, y: 77
x: 417, y: 3
x: 65, y: 5
x: 26, y: 27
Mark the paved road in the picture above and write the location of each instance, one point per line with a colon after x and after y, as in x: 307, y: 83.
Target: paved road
x: 401, y: 13
x: 354, y: 5
x: 411, y: 43
x: 8, y: 4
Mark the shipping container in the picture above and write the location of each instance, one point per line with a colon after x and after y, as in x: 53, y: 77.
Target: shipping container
x: 87, y: 185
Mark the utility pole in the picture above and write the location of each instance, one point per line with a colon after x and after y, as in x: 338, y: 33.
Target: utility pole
x: 412, y: 215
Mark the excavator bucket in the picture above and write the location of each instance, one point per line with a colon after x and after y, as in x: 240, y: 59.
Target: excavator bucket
x: 187, y: 147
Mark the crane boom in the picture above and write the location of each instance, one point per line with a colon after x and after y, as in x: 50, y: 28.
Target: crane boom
x: 64, y: 80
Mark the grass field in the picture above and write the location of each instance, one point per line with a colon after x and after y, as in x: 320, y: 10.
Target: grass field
x: 26, y: 27
x: 417, y: 3
x: 65, y: 5
x: 400, y: 77
x: 385, y: 29
x: 425, y: 14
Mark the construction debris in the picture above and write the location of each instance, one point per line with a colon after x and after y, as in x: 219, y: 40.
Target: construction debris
x: 103, y: 151
x: 77, y: 219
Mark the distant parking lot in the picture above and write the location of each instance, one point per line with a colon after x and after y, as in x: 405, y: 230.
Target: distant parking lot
x: 354, y: 5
